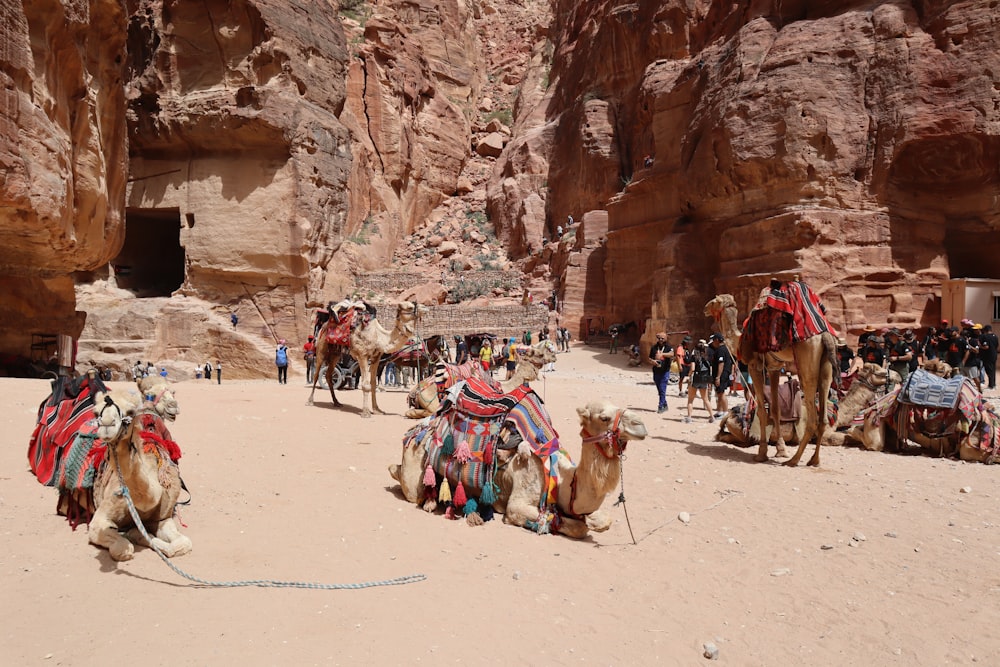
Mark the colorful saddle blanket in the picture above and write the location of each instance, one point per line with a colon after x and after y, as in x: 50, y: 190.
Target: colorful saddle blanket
x: 786, y: 314
x: 340, y: 333
x: 925, y: 389
x: 61, y: 417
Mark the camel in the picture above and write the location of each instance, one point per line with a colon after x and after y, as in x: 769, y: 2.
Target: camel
x: 368, y: 343
x: 731, y: 428
x: 423, y: 399
x: 140, y: 454
x: 815, y: 359
x: 871, y: 378
x: 580, y: 488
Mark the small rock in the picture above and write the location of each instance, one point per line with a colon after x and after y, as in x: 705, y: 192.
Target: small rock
x: 684, y: 517
x: 781, y: 571
x: 860, y: 537
x: 711, y: 651
x: 517, y: 575
x: 891, y: 533
x: 826, y: 547
x: 965, y: 489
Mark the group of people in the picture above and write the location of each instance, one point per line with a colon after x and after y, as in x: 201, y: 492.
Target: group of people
x: 206, y: 371
x: 705, y: 365
x: 970, y: 349
x: 140, y: 371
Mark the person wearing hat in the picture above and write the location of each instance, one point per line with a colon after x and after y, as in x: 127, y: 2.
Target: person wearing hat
x: 661, y: 354
x: 973, y: 366
x: 911, y: 339
x: 281, y: 361
x: 309, y: 354
x: 872, y: 352
x: 988, y: 355
x: 956, y: 348
x: 900, y: 353
x: 722, y: 371
x: 845, y: 356
x: 864, y: 336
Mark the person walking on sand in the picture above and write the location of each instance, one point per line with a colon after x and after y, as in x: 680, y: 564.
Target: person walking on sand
x: 662, y: 354
x: 218, y: 371
x: 309, y: 354
x: 700, y: 371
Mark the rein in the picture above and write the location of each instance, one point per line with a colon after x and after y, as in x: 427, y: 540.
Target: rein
x: 612, y: 437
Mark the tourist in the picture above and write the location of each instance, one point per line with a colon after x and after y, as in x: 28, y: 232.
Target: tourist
x: 391, y: 374
x: 234, y: 318
x: 208, y: 370
x: 900, y: 353
x: 988, y: 355
x: 972, y: 368
x: 218, y: 371
x: 722, y: 372
x: 486, y: 356
x: 661, y: 354
x: 510, y: 356
x: 872, y: 352
x: 461, y: 350
x: 954, y: 353
x: 613, y: 347
x: 309, y: 354
x: 680, y: 353
x: 281, y: 361
x: 700, y: 370
x: 845, y: 356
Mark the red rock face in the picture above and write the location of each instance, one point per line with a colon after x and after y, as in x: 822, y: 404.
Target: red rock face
x: 854, y: 146
x: 63, y: 157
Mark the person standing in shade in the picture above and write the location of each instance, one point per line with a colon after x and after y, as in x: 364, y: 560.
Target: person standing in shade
x: 661, y: 354
x: 218, y: 371
x: 461, y: 350
x: 613, y: 348
x: 700, y: 371
x: 281, y: 361
x: 900, y: 354
x: 722, y: 372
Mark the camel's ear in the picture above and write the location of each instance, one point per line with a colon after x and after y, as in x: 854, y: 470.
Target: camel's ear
x: 584, y: 413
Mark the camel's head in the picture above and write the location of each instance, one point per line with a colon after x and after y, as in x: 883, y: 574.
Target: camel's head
x: 114, y: 410
x: 160, y: 396
x: 937, y: 367
x: 874, y: 375
x: 537, y: 355
x: 716, y: 306
x: 610, y: 426
x: 407, y: 315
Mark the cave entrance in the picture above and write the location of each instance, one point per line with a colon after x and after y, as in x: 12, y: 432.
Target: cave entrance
x: 151, y: 262
x: 972, y: 247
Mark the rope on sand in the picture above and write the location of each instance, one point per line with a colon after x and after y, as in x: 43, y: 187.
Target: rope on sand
x: 726, y: 495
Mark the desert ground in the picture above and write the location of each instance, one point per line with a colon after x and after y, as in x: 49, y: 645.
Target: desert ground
x: 874, y: 559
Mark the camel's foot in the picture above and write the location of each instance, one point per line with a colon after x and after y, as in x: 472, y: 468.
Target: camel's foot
x: 366, y: 414
x: 792, y: 462
x: 782, y: 451
x: 599, y: 521
x: 309, y: 401
x: 814, y: 460
x: 394, y: 471
x: 122, y: 550
x: 474, y: 519
x: 760, y: 458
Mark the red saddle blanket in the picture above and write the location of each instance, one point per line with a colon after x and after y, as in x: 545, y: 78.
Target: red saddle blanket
x: 340, y: 333
x: 60, y: 417
x: 784, y: 315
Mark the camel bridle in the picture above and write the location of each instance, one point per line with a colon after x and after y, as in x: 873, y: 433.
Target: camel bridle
x: 610, y: 443
x: 125, y: 420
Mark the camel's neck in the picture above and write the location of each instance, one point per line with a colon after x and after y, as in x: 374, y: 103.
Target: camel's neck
x: 523, y: 372
x: 727, y: 323
x: 594, y: 478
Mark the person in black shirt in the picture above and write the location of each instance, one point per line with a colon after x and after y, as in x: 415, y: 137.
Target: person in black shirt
x: 844, y: 355
x: 988, y: 355
x: 661, y: 354
x: 722, y: 372
x: 973, y: 363
x: 900, y: 353
x: 955, y: 350
x: 461, y: 350
x: 872, y: 352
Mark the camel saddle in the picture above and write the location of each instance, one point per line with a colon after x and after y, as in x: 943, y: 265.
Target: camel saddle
x: 340, y: 333
x: 786, y: 314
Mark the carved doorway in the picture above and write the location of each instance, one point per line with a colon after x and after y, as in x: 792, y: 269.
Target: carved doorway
x: 151, y: 261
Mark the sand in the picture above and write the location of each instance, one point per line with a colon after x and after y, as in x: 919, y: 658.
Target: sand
x: 873, y: 559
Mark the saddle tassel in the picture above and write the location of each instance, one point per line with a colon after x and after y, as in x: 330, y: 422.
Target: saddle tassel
x: 444, y: 495
x: 460, y: 497
x: 430, y: 479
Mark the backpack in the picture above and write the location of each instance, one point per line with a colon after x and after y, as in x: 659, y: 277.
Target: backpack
x: 701, y: 367
x: 281, y: 356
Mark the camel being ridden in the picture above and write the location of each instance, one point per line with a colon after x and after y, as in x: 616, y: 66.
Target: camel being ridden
x: 343, y: 317
x: 368, y: 342
x: 523, y: 483
x: 424, y: 398
x: 815, y: 359
x: 141, y: 455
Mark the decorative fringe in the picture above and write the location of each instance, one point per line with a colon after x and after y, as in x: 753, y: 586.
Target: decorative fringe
x: 450, y: 513
x: 489, y: 494
x: 448, y: 445
x: 460, y: 497
x: 471, y: 506
x: 444, y: 495
x: 462, y: 453
x: 486, y: 511
x: 430, y: 479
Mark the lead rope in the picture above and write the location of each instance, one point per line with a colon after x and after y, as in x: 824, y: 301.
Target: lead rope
x: 621, y: 496
x: 263, y: 583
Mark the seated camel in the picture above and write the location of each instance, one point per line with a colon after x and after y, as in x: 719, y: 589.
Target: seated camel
x: 793, y: 421
x: 866, y: 387
x: 580, y: 488
x: 141, y: 454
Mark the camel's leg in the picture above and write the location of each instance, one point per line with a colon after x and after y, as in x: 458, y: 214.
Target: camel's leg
x: 367, y: 388
x: 757, y: 377
x: 166, y: 537
x: 373, y: 383
x: 573, y: 528
x: 329, y: 379
x: 598, y: 521
x: 103, y: 532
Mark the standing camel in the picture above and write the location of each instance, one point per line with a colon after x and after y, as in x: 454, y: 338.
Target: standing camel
x: 368, y: 343
x: 815, y: 359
